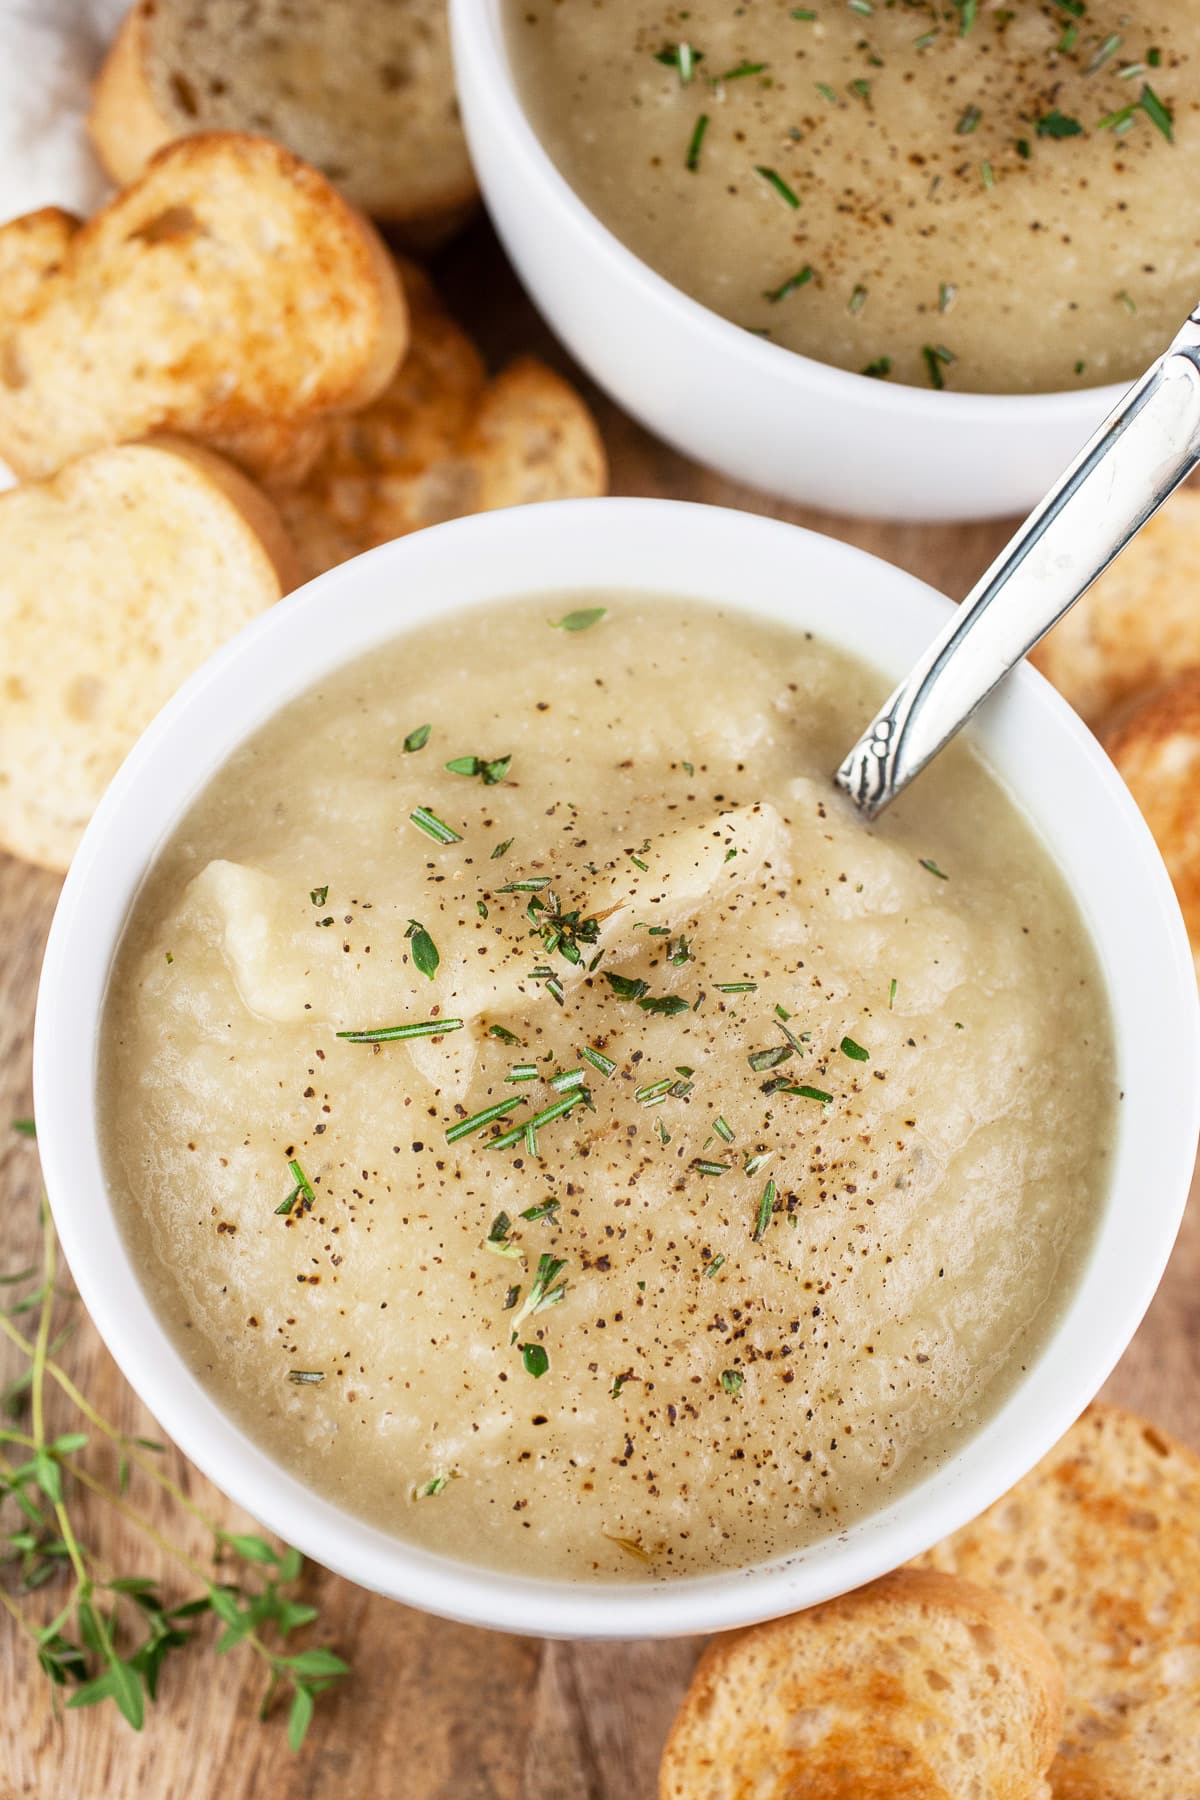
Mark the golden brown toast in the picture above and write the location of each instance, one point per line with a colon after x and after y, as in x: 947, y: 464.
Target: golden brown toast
x: 1100, y: 1546
x: 918, y: 1687
x: 229, y: 295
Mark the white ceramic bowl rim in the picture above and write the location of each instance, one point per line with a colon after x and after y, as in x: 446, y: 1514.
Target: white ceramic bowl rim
x: 481, y: 36
x: 1063, y: 781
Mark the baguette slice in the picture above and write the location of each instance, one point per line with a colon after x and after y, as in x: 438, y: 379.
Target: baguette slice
x: 441, y: 442
x: 918, y: 1687
x: 230, y: 295
x: 1155, y: 743
x: 1100, y: 1545
x: 1139, y: 624
x: 363, y: 91
x: 118, y: 577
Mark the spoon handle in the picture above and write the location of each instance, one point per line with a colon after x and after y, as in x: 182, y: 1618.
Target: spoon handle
x: 1138, y: 457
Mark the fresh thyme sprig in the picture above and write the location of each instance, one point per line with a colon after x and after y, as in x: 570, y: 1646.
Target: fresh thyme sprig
x: 111, y: 1634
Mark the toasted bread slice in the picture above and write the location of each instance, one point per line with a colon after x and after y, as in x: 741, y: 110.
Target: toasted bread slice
x: 1139, y: 624
x: 442, y: 441
x: 1100, y: 1545
x: 1155, y: 744
x: 363, y: 92
x: 230, y: 295
x: 918, y: 1687
x: 117, y: 578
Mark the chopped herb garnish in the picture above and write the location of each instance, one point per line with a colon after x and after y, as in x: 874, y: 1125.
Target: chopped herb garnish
x: 862, y: 88
x: 566, y: 1079
x: 806, y: 1093
x: 800, y: 279
x: 535, y: 1360
x: 723, y: 1129
x: 492, y: 770
x: 626, y: 987
x: 1127, y: 301
x: 854, y: 1051
x: 25, y: 1127
x: 664, y: 1136
x: 892, y: 994
x: 696, y: 143
x: 618, y: 1383
x: 858, y: 300
x: 765, y: 1208
x: 505, y: 1036
x: 947, y: 295
x: 987, y: 175
x: 680, y: 954
x: 666, y: 1004
x: 879, y: 369
x: 417, y: 740
x: 966, y: 10
x: 1024, y: 149
x: 522, y: 1072
x: 583, y: 620
x: 760, y: 1060
x: 546, y: 1210
x: 502, y: 849
x: 736, y: 987
x: 306, y: 1377
x: 711, y: 1168
x: 826, y: 92
x: 319, y: 896
x: 1158, y: 114
x: 387, y: 1034
x: 435, y: 1485
x: 742, y: 69
x: 478, y: 1120
x: 598, y: 1060
x: 302, y: 1191
x: 500, y: 1228
x: 1154, y: 58
x: 804, y: 13
x: 968, y: 121
x: 775, y: 180
x: 681, y: 57
x: 927, y: 862
x: 512, y: 1295
x: 653, y: 1090
x: 543, y: 1294
x: 549, y: 1113
x: 715, y: 1266
x: 1108, y: 48
x: 732, y: 1380
x: 424, y: 950
x: 1055, y: 124
x: 935, y: 355
x: 434, y: 827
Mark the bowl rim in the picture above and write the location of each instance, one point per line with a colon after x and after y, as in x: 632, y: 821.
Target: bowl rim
x: 479, y: 40
x: 666, y: 547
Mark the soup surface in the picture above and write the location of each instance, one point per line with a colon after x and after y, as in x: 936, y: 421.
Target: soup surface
x: 979, y: 197
x: 800, y: 1127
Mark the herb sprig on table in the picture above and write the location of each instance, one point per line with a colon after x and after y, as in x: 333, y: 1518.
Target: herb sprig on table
x: 104, y: 1634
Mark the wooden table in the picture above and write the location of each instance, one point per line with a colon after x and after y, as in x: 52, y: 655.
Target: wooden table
x: 435, y: 1711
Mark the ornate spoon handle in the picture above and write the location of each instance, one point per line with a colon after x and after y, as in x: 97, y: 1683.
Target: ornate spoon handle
x: 1119, y: 480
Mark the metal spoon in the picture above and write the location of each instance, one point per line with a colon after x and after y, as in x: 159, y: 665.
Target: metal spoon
x: 1136, y: 459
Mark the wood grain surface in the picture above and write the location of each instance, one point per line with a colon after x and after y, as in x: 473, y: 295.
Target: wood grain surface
x: 435, y: 1711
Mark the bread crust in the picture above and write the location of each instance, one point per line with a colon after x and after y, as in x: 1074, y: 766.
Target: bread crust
x: 782, y: 1711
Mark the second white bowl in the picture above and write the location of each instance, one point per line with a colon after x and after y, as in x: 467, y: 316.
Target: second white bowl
x: 756, y: 412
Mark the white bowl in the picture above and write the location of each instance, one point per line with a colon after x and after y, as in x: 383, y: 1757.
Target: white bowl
x: 748, y: 408
x: 1037, y: 746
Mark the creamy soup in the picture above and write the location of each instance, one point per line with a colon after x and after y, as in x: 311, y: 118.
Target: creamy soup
x: 979, y: 197
x: 563, y: 1133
